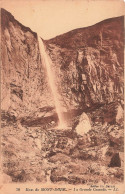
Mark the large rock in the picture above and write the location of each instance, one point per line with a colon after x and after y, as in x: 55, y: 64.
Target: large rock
x: 84, y: 125
x: 115, y: 161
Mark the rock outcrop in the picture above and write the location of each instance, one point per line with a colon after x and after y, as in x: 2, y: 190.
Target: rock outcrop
x: 84, y: 125
x: 115, y: 161
x: 23, y: 81
x: 91, y: 63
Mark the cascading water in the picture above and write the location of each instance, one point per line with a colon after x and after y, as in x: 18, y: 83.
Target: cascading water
x: 51, y: 81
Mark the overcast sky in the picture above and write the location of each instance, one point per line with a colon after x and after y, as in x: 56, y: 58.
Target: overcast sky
x: 50, y: 18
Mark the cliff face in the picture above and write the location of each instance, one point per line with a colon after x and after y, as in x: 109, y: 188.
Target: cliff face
x: 23, y: 81
x: 90, y: 62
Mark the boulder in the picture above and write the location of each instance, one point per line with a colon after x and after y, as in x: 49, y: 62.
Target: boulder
x: 84, y: 125
x: 115, y: 161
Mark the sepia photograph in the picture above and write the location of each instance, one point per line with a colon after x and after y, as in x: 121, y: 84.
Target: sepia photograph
x: 62, y: 96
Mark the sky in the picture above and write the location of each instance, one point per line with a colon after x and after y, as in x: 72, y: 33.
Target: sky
x: 50, y: 18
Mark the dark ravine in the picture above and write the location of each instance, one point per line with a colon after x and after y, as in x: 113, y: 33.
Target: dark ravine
x: 89, y: 65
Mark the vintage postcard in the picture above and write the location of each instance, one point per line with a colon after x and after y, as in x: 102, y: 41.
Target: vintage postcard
x: 62, y: 96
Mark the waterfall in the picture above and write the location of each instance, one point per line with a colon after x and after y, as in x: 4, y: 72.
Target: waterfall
x: 51, y: 81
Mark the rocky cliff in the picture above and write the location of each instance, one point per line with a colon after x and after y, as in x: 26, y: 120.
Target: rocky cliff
x: 23, y: 83
x: 91, y: 63
x: 88, y: 63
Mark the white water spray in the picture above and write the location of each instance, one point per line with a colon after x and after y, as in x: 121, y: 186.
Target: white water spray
x: 51, y: 81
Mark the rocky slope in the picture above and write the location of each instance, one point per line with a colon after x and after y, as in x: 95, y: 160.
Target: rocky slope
x: 88, y: 64
x: 91, y: 63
